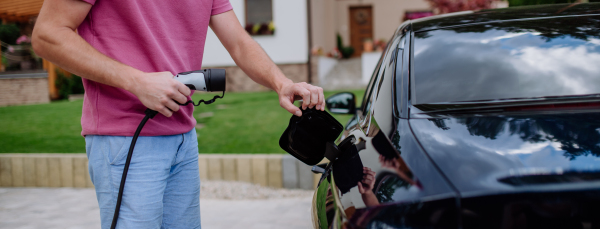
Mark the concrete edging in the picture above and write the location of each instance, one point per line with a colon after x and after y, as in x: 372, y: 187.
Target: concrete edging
x: 71, y: 170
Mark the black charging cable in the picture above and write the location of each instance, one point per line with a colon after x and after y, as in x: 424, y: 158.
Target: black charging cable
x: 149, y: 115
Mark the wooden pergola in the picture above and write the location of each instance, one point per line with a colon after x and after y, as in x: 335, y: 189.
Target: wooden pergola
x: 19, y: 10
x: 22, y: 11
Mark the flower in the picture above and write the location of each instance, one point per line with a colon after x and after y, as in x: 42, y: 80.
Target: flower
x: 23, y: 39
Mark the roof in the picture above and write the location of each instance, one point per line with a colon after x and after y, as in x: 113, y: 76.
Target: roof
x: 505, y: 14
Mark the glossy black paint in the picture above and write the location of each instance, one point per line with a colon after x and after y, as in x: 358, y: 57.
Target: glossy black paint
x: 476, y: 151
x: 495, y: 17
x: 525, y: 167
x: 543, y: 210
x: 513, y: 60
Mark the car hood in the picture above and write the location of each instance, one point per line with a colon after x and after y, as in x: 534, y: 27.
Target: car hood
x: 511, y: 153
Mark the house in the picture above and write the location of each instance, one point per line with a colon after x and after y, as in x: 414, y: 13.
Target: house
x: 286, y: 42
x: 294, y: 21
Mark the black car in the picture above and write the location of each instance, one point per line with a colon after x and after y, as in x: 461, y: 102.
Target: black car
x: 487, y: 119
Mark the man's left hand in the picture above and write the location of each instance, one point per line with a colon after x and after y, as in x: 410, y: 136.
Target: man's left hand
x: 312, y: 96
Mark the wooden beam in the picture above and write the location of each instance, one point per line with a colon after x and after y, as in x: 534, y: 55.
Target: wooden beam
x: 51, y: 69
x: 22, y: 12
x: 21, y: 2
x: 10, y: 18
x: 21, y: 8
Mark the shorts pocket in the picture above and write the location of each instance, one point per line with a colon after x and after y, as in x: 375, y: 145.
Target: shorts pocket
x: 118, y: 149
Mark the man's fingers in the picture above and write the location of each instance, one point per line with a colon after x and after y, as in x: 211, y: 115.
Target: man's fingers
x: 289, y: 106
x: 164, y: 111
x: 180, y: 98
x: 305, y: 96
x: 321, y: 105
x: 360, y: 188
x: 184, y: 89
x: 314, y: 96
x: 172, y: 106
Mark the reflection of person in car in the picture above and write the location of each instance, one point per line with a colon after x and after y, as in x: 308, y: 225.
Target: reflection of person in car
x: 399, y: 167
x: 365, y: 187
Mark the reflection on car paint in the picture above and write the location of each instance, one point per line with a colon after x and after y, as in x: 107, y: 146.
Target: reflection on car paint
x: 517, y: 60
x: 476, y: 153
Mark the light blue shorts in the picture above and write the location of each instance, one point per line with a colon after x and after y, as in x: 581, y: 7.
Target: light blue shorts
x: 162, y: 189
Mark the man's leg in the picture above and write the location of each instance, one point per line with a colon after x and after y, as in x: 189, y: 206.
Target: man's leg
x: 142, y: 204
x: 182, y: 196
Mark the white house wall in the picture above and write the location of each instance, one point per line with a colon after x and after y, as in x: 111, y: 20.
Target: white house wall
x: 289, y: 44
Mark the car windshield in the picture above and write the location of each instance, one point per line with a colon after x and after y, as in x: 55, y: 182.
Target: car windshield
x: 508, y: 60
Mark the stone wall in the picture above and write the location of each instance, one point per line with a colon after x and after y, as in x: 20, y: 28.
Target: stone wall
x: 237, y: 80
x: 71, y: 170
x: 25, y: 88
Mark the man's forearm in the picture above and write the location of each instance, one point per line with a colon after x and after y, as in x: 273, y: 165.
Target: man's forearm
x: 246, y: 53
x: 251, y: 58
x: 75, y: 55
x: 55, y: 39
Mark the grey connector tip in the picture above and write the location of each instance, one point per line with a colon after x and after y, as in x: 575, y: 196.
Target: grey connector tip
x: 215, y: 79
x: 203, y: 80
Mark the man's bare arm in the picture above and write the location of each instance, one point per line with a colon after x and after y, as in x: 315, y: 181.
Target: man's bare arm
x: 253, y: 60
x: 54, y: 38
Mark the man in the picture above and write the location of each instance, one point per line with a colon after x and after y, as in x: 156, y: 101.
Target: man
x: 127, y: 51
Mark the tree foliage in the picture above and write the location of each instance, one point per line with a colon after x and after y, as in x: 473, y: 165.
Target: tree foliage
x: 537, y: 2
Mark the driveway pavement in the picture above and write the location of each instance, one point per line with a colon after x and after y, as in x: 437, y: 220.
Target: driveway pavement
x: 24, y: 208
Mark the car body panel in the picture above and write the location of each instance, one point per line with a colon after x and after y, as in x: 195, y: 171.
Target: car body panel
x: 476, y: 151
x: 434, y: 183
x: 505, y: 14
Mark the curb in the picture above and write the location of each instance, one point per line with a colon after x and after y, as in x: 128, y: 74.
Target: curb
x: 71, y: 170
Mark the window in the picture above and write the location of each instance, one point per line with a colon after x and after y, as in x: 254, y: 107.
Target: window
x: 259, y: 17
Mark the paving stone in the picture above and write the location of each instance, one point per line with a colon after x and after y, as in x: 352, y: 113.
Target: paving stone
x: 215, y: 170
x: 79, y: 172
x: 229, y: 170
x: 5, y: 172
x: 259, y: 170
x: 54, y: 171
x: 41, y: 171
x: 244, y: 168
x: 203, y: 167
x: 305, y: 176
x: 58, y: 208
x: 66, y: 171
x: 275, y: 179
x: 29, y: 171
x: 17, y: 172
x: 289, y: 171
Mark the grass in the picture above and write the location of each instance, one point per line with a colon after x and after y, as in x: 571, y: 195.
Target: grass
x: 249, y: 122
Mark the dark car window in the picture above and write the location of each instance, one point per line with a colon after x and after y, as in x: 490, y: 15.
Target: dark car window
x: 366, y: 101
x: 385, y: 62
x: 510, y: 60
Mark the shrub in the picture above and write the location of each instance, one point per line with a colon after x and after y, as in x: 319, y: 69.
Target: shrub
x: 68, y: 85
x: 346, y: 51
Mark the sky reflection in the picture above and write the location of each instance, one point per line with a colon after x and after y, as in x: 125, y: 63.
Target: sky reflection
x: 486, y: 64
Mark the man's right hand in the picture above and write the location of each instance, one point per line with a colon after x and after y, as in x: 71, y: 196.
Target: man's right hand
x: 157, y: 90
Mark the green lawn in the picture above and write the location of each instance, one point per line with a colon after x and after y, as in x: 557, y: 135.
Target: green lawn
x: 240, y: 123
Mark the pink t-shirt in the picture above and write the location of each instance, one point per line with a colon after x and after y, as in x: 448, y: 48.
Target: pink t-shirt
x: 152, y: 36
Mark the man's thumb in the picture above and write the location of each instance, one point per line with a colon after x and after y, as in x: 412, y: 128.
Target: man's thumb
x: 289, y: 106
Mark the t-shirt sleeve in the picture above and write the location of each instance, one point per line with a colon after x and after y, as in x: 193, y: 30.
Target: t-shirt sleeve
x: 218, y: 7
x: 89, y: 1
